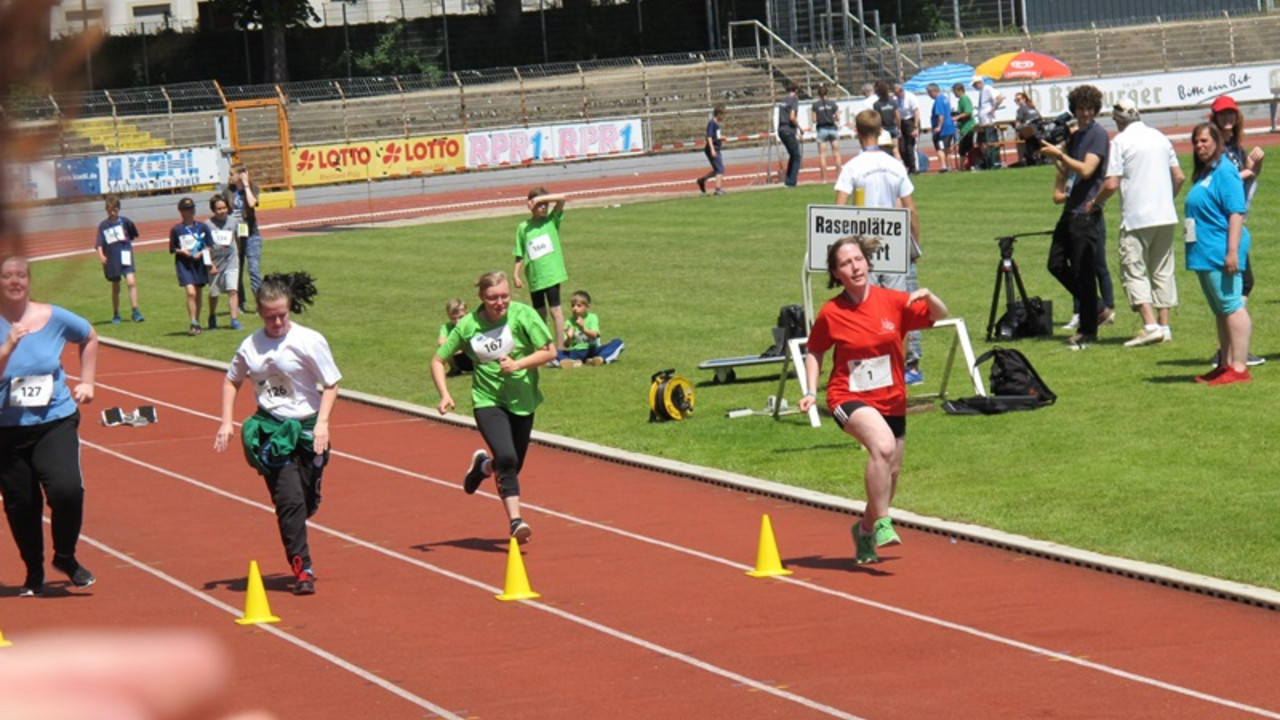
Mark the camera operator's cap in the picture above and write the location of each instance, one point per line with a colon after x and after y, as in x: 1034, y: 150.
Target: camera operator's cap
x: 1125, y: 110
x: 977, y: 79
x: 885, y: 139
x: 186, y: 203
x: 1225, y: 103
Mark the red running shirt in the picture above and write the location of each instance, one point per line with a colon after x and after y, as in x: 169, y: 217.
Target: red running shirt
x: 867, y: 337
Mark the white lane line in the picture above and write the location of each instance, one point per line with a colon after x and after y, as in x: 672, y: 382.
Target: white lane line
x: 281, y: 634
x: 903, y: 612
x: 562, y: 614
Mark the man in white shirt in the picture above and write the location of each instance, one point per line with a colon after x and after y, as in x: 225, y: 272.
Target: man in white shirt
x: 1143, y: 167
x: 884, y: 183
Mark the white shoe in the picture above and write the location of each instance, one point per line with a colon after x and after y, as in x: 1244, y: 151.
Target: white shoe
x: 1167, y: 333
x: 1073, y: 323
x: 1146, y: 337
x: 1106, y: 316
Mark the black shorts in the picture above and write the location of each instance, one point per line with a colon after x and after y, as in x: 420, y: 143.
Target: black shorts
x: 546, y: 296
x: 897, y: 423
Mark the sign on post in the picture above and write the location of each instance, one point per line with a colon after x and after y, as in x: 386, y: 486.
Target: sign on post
x: 828, y: 223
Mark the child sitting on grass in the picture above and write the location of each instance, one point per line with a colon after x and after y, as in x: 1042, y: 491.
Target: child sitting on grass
x: 582, y: 337
x: 459, y: 363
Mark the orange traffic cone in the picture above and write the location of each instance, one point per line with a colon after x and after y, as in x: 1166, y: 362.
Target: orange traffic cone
x: 768, y: 564
x: 256, y: 608
x: 517, y: 586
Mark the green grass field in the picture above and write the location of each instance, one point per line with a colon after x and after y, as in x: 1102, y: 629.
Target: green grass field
x: 1134, y: 459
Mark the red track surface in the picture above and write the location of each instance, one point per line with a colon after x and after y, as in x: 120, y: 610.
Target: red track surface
x: 646, y: 610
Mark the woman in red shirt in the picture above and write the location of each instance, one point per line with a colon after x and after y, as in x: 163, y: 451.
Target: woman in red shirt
x: 867, y: 393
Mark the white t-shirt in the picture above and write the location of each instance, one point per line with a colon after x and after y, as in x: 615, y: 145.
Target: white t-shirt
x: 287, y: 373
x: 986, y: 106
x: 882, y: 177
x: 1141, y: 157
x: 908, y: 107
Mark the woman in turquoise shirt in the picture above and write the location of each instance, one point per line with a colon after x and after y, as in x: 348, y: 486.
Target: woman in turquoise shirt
x: 1218, y: 250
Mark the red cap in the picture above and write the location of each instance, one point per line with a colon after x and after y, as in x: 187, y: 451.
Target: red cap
x: 1224, y: 103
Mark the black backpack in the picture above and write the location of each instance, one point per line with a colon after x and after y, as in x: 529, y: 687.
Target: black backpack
x: 1015, y: 385
x: 790, y: 325
x: 1034, y: 318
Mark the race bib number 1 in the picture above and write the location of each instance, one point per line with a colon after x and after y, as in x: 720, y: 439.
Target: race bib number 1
x: 870, y: 374
x: 539, y: 246
x: 31, y: 392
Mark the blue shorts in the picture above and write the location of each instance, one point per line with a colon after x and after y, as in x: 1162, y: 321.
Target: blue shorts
x: 828, y: 134
x: 1223, y: 290
x: 717, y: 162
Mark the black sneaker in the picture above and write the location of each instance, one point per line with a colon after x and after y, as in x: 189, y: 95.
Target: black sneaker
x: 34, y: 585
x: 521, y: 531
x: 475, y: 472
x: 80, y: 576
x: 702, y: 185
x: 306, y: 584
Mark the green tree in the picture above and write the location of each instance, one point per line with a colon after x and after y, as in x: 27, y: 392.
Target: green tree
x: 273, y: 16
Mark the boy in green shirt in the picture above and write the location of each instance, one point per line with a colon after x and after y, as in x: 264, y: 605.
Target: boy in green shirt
x: 538, y: 254
x: 582, y: 337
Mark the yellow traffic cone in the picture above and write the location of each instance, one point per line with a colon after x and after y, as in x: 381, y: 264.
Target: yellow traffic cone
x: 3, y: 642
x: 256, y: 608
x: 517, y: 587
x: 768, y: 564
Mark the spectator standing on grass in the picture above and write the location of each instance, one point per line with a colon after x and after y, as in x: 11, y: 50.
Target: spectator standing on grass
x: 295, y: 379
x: 1081, y: 230
x: 189, y: 243
x: 788, y: 110
x: 114, y: 244
x: 966, y: 123
x: 884, y: 182
x: 864, y: 326
x: 242, y: 198
x: 39, y: 425
x: 1143, y: 167
x: 909, y: 125
x: 1225, y: 114
x: 538, y: 254
x: 582, y: 344
x: 713, y: 148
x: 1024, y: 126
x: 1217, y: 249
x: 826, y: 120
x: 988, y: 135
x: 942, y: 126
x: 226, y: 263
x: 507, y: 342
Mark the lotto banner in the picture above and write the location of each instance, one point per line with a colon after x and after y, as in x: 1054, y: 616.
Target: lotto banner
x: 376, y: 159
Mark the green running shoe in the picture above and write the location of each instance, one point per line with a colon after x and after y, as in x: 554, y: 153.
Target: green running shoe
x: 865, y: 544
x: 885, y: 534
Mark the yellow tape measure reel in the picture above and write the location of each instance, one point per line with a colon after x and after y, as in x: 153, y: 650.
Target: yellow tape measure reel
x: 670, y: 397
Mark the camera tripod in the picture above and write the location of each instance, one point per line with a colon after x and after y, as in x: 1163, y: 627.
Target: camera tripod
x: 1007, y: 275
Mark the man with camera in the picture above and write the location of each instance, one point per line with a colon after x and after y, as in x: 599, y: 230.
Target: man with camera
x: 1081, y: 231
x: 1144, y: 168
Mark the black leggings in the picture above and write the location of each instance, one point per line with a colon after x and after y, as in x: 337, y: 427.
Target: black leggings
x: 42, y: 463
x: 507, y: 436
x: 295, y: 491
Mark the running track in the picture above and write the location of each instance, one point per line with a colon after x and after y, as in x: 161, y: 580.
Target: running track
x: 646, y: 610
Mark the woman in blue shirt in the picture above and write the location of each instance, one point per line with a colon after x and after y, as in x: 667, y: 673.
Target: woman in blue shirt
x: 1218, y: 250
x: 39, y: 421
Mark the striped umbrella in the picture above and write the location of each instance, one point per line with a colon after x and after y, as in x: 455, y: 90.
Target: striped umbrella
x: 1024, y: 65
x: 945, y: 75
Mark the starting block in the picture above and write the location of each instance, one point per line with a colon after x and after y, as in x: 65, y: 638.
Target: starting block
x: 144, y: 415
x: 773, y: 405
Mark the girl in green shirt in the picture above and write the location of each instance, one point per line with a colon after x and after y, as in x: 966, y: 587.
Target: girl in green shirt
x: 506, y: 342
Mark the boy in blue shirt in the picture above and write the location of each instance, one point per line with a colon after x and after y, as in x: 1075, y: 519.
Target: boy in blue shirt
x: 114, y: 244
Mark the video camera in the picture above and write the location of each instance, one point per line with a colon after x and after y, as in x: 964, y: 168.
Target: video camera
x: 1053, y: 131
